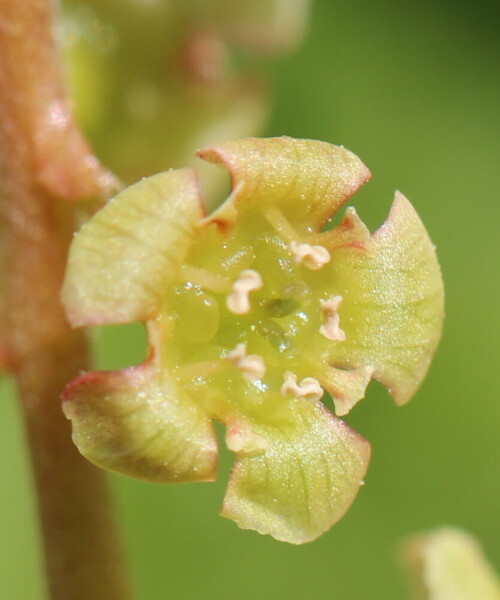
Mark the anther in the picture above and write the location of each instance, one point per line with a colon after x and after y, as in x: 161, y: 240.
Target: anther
x: 309, y: 388
x: 238, y: 301
x: 252, y: 366
x: 313, y: 257
x: 330, y: 328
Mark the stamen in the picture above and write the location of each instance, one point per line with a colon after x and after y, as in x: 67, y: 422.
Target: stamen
x: 330, y: 328
x: 252, y: 366
x: 238, y: 301
x: 279, y: 223
x: 206, y: 280
x: 313, y: 257
x: 309, y: 388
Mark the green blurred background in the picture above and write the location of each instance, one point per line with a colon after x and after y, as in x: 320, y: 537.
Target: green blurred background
x: 413, y: 88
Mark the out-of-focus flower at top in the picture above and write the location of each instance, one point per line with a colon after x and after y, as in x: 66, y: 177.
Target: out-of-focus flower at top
x: 154, y: 79
x: 252, y: 313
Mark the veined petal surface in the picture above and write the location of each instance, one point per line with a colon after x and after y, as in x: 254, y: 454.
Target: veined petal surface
x: 138, y: 422
x: 122, y: 260
x: 393, y: 299
x: 302, y: 481
x: 311, y: 179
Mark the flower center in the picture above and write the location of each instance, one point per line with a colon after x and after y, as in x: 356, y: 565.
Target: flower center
x: 255, y: 311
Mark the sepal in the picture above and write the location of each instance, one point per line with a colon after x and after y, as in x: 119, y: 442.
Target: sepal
x: 308, y: 179
x: 302, y: 480
x: 126, y: 255
x: 138, y: 422
x: 393, y: 302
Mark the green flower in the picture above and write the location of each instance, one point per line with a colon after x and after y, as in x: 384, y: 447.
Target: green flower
x: 252, y: 312
x: 448, y: 564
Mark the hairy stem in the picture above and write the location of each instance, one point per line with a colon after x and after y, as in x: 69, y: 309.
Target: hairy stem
x: 44, y: 165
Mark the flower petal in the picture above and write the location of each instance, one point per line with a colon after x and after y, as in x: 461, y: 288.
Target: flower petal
x: 122, y: 259
x: 311, y: 179
x: 347, y: 387
x: 139, y: 423
x: 302, y: 480
x: 392, y: 307
x: 449, y: 564
x: 351, y: 231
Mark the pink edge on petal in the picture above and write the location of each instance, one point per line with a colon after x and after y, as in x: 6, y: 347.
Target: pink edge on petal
x: 393, y: 302
x: 351, y: 231
x: 310, y: 177
x: 347, y: 387
x: 398, y: 206
x: 138, y: 423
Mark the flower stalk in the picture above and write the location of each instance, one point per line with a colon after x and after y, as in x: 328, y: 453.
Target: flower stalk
x: 45, y: 165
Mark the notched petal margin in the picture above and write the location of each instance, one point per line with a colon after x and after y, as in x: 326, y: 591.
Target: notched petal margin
x: 393, y: 302
x: 347, y: 387
x: 311, y: 180
x: 122, y: 260
x: 139, y: 423
x: 301, y: 480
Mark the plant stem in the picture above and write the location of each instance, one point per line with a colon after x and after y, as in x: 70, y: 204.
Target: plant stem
x: 82, y: 557
x: 44, y: 165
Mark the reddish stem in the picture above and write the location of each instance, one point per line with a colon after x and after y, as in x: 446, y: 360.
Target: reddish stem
x: 44, y: 162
